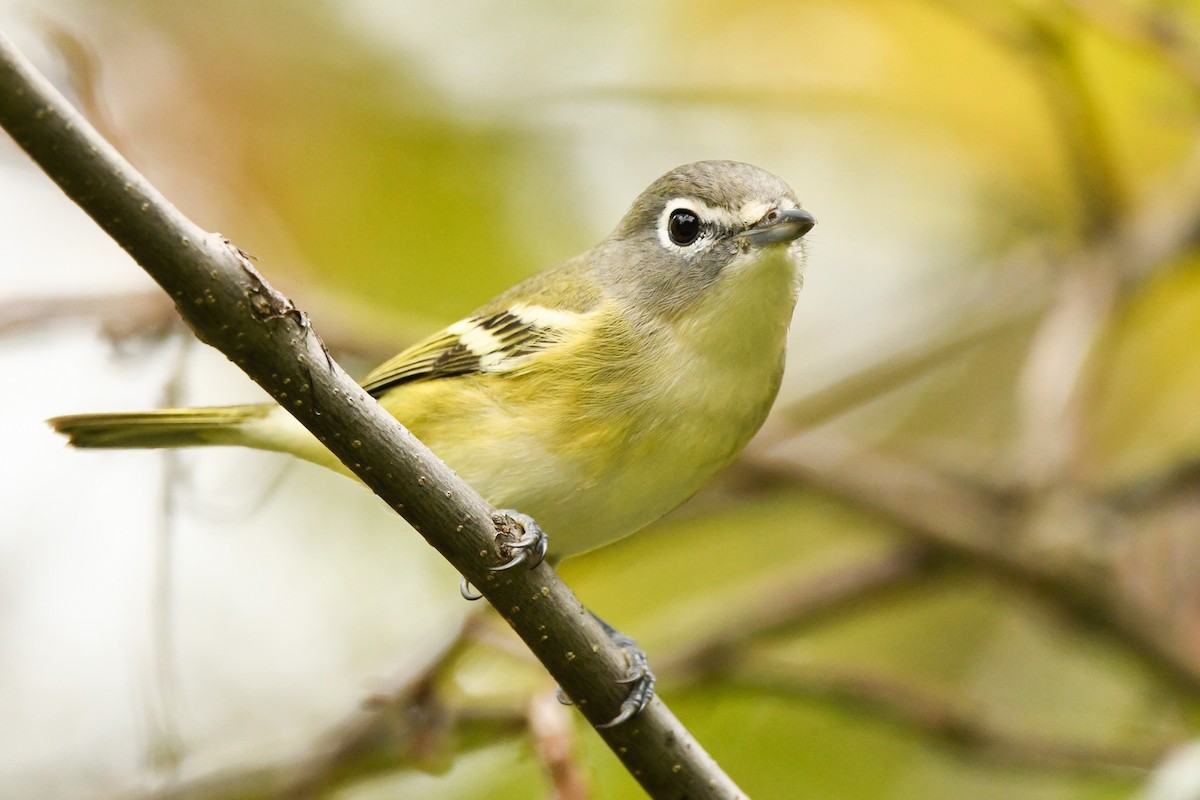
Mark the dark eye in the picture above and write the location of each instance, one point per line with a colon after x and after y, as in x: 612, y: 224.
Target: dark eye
x: 683, y: 227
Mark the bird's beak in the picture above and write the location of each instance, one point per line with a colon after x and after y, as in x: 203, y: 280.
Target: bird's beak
x: 780, y: 225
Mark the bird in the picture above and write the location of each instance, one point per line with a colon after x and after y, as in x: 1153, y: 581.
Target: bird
x: 592, y: 397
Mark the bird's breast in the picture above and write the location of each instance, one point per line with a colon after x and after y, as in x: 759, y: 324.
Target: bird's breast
x: 681, y: 401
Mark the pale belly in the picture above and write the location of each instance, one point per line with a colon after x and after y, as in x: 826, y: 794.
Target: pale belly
x: 593, y: 475
x: 584, y: 500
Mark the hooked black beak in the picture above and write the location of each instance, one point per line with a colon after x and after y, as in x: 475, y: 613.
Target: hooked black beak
x: 780, y: 225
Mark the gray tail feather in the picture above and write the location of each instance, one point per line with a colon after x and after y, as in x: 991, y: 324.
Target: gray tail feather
x: 169, y: 427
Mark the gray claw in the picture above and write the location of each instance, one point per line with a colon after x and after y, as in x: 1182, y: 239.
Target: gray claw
x: 637, y: 672
x: 520, y: 558
x: 468, y: 591
x: 642, y: 680
x: 628, y: 709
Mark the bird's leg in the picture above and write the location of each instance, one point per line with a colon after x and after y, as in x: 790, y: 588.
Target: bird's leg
x: 529, y: 548
x: 639, y: 677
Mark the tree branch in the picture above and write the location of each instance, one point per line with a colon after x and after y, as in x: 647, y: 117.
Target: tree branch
x: 121, y: 316
x: 986, y: 529
x: 230, y: 307
x: 849, y: 588
x: 959, y: 725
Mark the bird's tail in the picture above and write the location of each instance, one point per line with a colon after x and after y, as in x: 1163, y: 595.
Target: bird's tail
x: 168, y: 427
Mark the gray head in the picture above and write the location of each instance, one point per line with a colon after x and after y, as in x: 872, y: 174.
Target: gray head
x: 697, y: 223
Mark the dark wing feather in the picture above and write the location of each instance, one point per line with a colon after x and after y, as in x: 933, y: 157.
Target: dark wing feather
x: 488, y: 343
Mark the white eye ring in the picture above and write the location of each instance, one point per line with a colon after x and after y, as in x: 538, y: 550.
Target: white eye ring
x: 675, y: 214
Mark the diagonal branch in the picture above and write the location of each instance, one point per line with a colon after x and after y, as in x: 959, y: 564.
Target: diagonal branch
x: 231, y: 307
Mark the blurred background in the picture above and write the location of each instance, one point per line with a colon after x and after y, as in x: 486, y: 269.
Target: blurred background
x: 961, y: 560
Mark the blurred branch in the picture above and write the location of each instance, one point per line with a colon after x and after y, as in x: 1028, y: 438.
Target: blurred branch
x: 1178, y: 483
x: 1051, y: 385
x: 839, y: 592
x: 553, y: 736
x: 989, y: 529
x: 727, y: 654
x: 128, y: 315
x: 965, y: 728
x: 1150, y: 31
x: 1082, y: 130
x: 121, y: 316
x: 401, y: 727
x: 955, y: 516
x: 1155, y: 237
x: 404, y: 726
x: 166, y: 748
x: 1164, y: 229
x: 1121, y: 248
x: 1051, y: 381
x: 83, y: 68
x: 1050, y: 389
x: 904, y: 367
x: 229, y: 305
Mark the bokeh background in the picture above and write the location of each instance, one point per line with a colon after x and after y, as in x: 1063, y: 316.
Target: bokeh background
x: 962, y: 559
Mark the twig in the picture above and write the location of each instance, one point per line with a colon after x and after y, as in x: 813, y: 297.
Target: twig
x: 1051, y: 386
x: 554, y: 742
x: 960, y: 726
x: 904, y: 367
x: 407, y: 736
x: 167, y: 748
x: 1149, y: 31
x: 121, y: 316
x: 987, y: 529
x: 127, y: 315
x: 231, y: 307
x: 838, y: 592
x: 400, y: 726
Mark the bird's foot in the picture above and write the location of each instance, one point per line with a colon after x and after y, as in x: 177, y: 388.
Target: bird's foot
x: 529, y: 547
x: 639, y: 678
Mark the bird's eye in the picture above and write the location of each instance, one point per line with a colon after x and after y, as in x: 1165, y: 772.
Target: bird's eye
x: 683, y: 227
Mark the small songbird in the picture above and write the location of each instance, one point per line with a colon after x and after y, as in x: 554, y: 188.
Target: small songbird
x: 595, y: 396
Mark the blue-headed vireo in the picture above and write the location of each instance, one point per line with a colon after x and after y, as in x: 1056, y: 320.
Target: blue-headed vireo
x: 594, y: 396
